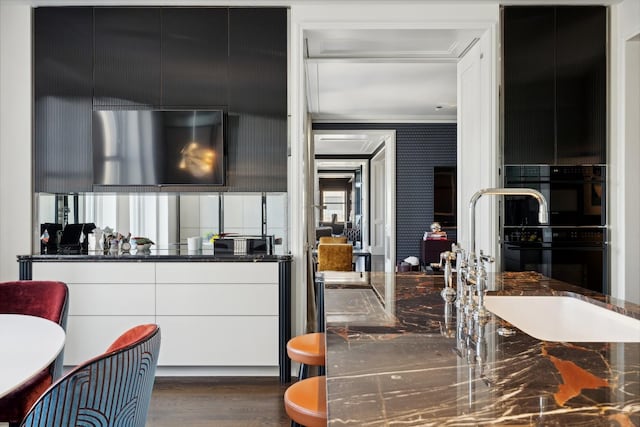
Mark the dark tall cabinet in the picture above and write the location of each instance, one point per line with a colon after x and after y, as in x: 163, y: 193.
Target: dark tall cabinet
x: 554, y: 89
x: 257, y: 124
x: 63, y: 90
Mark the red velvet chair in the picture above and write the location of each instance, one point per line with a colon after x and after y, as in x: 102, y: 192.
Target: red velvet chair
x: 113, y: 389
x: 44, y: 299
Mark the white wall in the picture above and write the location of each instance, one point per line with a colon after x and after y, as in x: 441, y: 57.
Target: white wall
x: 624, y: 151
x: 15, y: 136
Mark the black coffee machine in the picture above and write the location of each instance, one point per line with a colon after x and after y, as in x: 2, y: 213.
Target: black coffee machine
x: 70, y: 241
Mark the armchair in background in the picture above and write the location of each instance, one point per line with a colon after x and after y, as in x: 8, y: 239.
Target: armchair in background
x: 430, y: 250
x: 333, y: 239
x: 335, y: 257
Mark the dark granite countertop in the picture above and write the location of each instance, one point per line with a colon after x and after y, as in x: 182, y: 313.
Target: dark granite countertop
x: 398, y: 355
x: 154, y: 255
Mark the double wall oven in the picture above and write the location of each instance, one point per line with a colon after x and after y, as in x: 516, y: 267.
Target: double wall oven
x: 573, y: 246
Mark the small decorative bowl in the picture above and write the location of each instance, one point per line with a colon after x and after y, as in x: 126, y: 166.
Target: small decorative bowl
x: 144, y: 248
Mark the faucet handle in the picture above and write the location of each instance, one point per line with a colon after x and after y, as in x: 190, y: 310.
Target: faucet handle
x: 486, y: 258
x: 447, y: 256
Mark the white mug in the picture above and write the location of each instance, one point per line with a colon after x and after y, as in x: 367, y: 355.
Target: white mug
x: 194, y: 244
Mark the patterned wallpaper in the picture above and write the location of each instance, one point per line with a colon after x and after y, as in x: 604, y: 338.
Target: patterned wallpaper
x: 419, y: 147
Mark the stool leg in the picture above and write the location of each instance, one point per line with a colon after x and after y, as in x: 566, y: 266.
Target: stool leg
x: 303, y: 372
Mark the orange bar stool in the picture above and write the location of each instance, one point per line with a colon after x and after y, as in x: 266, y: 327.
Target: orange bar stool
x: 306, y: 402
x: 308, y: 350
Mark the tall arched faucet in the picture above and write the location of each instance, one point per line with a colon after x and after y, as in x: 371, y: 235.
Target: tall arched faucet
x: 543, y: 210
x: 475, y: 261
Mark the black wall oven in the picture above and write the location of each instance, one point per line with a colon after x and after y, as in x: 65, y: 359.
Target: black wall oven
x: 573, y: 247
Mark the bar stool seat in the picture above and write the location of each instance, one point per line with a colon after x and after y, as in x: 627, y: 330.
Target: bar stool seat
x: 306, y: 401
x: 308, y: 349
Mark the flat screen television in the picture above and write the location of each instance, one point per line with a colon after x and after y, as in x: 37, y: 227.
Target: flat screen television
x: 158, y: 147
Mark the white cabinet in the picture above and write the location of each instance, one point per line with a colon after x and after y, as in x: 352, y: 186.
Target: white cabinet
x: 217, y: 272
x: 89, y: 336
x: 218, y: 340
x: 211, y: 314
x: 105, y: 299
x: 226, y: 314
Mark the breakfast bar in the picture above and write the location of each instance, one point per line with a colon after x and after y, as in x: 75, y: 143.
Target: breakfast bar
x: 398, y: 354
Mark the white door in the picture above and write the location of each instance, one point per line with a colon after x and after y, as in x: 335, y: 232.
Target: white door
x: 477, y: 146
x: 378, y: 203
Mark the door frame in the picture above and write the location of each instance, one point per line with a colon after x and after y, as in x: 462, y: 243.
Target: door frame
x: 354, y: 16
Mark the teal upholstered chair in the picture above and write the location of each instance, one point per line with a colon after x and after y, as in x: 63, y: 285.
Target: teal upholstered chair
x: 113, y: 389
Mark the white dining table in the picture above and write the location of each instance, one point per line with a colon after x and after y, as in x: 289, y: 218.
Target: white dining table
x: 28, y: 344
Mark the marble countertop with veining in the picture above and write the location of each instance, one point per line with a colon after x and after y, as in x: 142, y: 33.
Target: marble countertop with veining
x: 398, y: 355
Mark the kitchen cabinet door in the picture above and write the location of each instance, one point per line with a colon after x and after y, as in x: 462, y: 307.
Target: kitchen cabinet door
x: 194, y: 57
x: 62, y: 67
x: 257, y: 121
x: 127, y: 57
x: 555, y: 84
x: 529, y: 86
x: 581, y: 65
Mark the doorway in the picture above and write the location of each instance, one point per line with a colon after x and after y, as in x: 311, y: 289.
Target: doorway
x: 383, y: 19
x: 359, y: 158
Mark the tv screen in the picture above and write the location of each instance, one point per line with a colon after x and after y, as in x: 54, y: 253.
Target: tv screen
x: 177, y: 147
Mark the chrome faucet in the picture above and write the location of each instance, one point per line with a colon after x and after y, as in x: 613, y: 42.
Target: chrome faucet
x: 475, y: 263
x: 543, y: 210
x: 461, y: 275
x: 481, y: 286
x: 448, y: 293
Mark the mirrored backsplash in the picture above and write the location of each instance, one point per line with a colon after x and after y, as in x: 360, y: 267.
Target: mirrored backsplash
x: 168, y: 219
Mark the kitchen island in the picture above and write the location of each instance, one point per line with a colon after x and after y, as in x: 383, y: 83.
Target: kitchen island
x: 219, y: 315
x: 397, y: 354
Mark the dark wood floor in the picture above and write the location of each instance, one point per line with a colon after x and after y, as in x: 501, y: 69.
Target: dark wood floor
x: 217, y: 401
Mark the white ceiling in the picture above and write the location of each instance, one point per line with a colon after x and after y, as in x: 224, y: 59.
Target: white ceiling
x: 381, y: 76
x: 360, y: 142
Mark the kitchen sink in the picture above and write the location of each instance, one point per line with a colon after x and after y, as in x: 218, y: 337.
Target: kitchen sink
x: 564, y: 319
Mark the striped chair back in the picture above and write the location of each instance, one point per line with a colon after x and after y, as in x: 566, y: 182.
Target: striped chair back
x: 113, y: 389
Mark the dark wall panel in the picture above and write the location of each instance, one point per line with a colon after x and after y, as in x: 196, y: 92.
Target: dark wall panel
x: 63, y: 87
x: 194, y: 57
x: 127, y: 57
x: 419, y: 147
x: 257, y: 125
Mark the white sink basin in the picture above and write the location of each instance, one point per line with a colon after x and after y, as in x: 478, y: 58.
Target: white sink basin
x: 564, y: 319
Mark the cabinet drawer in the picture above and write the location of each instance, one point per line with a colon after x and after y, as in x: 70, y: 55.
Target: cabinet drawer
x: 217, y: 299
x: 95, y: 272
x: 217, y: 272
x: 219, y: 340
x: 112, y: 299
x: 90, y: 336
